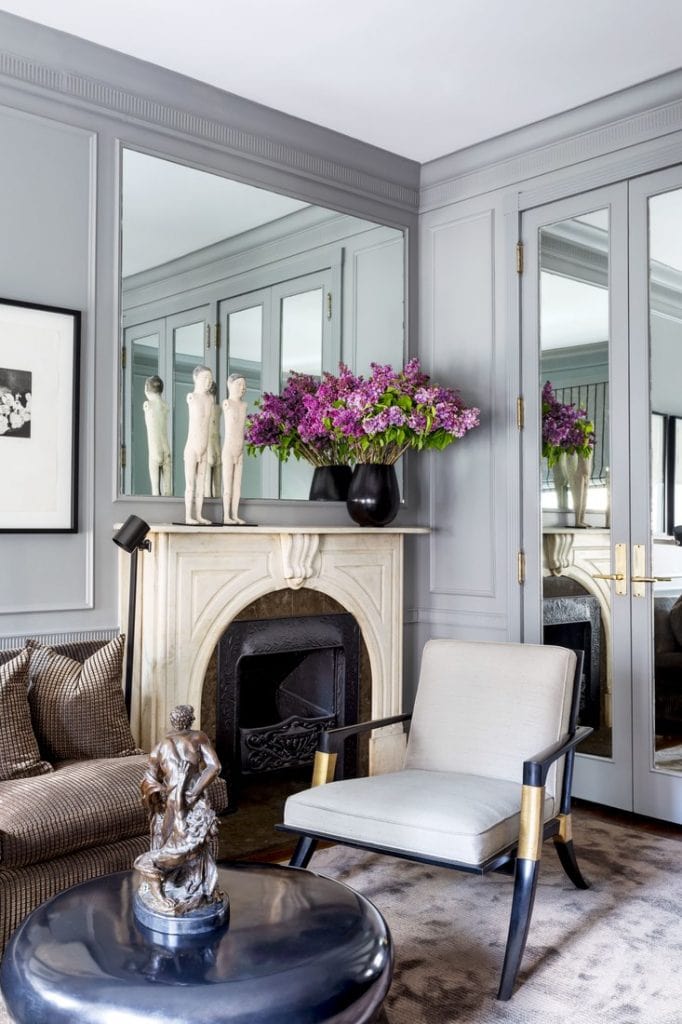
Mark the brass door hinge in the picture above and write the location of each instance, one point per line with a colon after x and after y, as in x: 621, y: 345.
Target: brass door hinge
x: 207, y: 335
x: 520, y: 413
x: 519, y: 257
x: 123, y: 456
x: 521, y: 567
x: 124, y: 358
x: 329, y: 305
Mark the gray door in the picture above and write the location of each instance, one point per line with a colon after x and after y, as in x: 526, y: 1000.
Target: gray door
x: 602, y: 335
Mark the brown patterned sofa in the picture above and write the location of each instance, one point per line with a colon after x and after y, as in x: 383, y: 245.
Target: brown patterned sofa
x: 69, y: 819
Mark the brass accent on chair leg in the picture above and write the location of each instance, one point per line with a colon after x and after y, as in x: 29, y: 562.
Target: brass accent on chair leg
x: 565, y: 833
x: 324, y: 767
x: 530, y: 828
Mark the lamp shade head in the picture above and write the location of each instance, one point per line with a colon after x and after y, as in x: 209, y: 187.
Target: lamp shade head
x: 132, y: 534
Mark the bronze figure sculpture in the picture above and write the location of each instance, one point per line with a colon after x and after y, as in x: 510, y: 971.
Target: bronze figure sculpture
x: 178, y: 875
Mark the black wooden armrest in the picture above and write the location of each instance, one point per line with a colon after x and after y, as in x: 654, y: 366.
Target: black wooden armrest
x: 331, y: 739
x: 535, y: 768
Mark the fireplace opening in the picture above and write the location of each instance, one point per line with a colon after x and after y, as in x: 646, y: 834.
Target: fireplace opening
x: 280, y: 682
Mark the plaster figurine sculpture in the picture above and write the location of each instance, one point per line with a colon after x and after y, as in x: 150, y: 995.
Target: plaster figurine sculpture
x: 579, y: 472
x: 234, y: 414
x: 212, y: 485
x: 200, y: 406
x: 178, y: 875
x: 156, y: 412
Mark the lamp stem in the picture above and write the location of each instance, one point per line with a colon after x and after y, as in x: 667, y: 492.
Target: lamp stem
x: 130, y: 638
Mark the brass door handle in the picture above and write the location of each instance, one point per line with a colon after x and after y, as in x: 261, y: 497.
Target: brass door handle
x: 620, y: 554
x: 651, y: 579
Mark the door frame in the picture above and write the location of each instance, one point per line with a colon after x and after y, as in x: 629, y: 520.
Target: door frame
x: 602, y: 779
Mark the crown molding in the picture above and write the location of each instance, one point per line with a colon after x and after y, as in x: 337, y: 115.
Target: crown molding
x: 603, y: 128
x: 129, y: 104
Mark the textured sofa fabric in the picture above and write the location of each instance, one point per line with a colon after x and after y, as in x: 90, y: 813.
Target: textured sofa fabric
x: 83, y: 819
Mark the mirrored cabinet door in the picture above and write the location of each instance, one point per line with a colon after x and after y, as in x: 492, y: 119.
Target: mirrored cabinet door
x: 656, y: 385
x: 602, y: 351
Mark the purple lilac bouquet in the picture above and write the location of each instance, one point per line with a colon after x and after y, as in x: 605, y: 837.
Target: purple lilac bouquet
x: 564, y: 428
x: 353, y: 419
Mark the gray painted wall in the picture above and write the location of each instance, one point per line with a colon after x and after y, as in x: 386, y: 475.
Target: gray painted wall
x: 462, y: 580
x: 66, y: 108
x: 472, y: 205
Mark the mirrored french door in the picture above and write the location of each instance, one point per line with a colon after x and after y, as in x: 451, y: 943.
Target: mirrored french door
x: 602, y: 492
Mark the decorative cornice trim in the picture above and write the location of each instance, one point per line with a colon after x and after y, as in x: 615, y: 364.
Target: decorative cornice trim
x: 102, y: 95
x: 553, y: 145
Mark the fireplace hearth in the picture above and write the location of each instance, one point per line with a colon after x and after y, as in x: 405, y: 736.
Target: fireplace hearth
x: 280, y: 682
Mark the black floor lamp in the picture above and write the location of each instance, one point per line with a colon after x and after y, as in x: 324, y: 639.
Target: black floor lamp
x: 132, y: 537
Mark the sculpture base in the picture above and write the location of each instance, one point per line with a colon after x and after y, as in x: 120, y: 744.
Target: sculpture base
x: 196, y: 922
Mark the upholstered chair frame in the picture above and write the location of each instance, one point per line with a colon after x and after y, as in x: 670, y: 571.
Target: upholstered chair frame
x: 520, y: 857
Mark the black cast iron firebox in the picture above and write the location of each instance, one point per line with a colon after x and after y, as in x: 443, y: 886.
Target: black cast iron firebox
x: 280, y: 682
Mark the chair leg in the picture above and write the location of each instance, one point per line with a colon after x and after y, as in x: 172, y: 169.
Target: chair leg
x: 570, y: 864
x: 305, y: 848
x: 525, y: 882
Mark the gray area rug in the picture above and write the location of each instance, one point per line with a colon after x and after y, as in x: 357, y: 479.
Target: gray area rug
x: 610, y: 955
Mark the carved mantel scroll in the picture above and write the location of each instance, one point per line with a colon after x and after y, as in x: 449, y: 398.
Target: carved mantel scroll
x: 195, y: 580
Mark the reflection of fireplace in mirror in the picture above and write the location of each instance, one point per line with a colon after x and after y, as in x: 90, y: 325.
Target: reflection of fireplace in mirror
x: 280, y: 681
x: 572, y: 618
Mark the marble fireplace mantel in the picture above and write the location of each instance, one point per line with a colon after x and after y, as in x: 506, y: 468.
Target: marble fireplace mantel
x: 195, y: 580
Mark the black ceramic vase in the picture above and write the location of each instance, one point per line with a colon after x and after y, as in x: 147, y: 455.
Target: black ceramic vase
x: 373, y: 495
x: 330, y: 483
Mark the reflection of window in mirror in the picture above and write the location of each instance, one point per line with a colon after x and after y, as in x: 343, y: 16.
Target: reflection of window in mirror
x: 574, y: 336
x: 244, y: 280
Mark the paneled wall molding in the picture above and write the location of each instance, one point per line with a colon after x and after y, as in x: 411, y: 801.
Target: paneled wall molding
x: 613, y: 127
x: 103, y: 96
x: 459, y: 617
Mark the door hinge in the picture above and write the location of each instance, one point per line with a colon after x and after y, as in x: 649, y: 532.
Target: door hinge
x: 124, y: 358
x: 520, y: 413
x: 519, y: 257
x: 521, y: 567
x: 329, y: 305
x: 217, y: 335
x: 207, y: 335
x: 123, y: 456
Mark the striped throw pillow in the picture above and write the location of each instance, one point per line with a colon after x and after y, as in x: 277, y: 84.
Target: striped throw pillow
x: 19, y: 752
x: 78, y: 710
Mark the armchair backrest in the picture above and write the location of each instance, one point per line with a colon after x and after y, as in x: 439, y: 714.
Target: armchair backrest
x: 484, y: 708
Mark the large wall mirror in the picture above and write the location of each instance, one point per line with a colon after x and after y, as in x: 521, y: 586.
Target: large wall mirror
x: 247, y: 281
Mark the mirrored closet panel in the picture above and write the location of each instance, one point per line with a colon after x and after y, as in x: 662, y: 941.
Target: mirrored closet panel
x: 220, y: 273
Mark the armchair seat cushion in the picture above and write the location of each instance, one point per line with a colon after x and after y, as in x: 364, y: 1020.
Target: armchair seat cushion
x: 453, y: 817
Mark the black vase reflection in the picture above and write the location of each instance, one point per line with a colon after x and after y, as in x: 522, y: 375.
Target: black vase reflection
x: 330, y: 483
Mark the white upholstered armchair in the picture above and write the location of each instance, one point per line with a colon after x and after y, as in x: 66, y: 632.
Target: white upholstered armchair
x: 486, y: 778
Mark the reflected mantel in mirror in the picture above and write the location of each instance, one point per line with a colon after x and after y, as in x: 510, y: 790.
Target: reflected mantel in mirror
x: 244, y: 281
x: 575, y: 493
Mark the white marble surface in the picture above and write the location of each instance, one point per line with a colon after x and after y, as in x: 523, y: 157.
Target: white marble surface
x: 195, y: 580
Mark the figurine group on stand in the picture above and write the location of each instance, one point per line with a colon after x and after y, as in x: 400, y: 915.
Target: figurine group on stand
x: 204, y: 460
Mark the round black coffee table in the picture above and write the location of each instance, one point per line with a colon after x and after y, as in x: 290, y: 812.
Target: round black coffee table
x: 297, y: 948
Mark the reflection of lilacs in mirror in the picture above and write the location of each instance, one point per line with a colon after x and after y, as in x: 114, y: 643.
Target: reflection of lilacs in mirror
x: 348, y: 418
x: 15, y: 410
x: 564, y: 428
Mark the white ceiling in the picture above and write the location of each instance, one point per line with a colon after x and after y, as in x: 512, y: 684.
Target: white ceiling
x: 422, y: 78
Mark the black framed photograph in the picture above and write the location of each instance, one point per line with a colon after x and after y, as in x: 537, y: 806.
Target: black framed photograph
x: 39, y: 400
